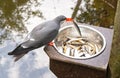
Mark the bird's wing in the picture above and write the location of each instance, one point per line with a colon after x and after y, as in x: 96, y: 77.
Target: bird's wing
x: 35, y: 30
x: 40, y: 36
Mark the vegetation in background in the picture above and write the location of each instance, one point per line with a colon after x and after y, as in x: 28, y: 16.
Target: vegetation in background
x: 95, y: 12
x: 13, y: 14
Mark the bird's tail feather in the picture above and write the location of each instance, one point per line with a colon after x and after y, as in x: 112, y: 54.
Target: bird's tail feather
x: 19, y: 52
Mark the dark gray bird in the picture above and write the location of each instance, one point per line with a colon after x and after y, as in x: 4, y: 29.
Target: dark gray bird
x: 39, y: 36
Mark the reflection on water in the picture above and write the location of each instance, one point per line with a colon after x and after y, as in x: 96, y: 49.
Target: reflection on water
x: 97, y: 12
x: 19, y: 16
x: 13, y: 14
x: 16, y: 18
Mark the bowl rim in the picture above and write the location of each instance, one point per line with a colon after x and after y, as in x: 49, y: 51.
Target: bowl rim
x: 91, y: 28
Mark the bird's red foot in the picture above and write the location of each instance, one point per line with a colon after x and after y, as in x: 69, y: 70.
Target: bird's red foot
x: 51, y: 43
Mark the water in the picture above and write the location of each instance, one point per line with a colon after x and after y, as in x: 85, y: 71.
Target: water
x: 96, y: 12
x: 19, y: 17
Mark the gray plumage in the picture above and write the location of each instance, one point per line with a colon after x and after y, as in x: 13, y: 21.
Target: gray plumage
x: 39, y: 36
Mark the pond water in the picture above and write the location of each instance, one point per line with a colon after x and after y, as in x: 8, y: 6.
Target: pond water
x: 19, y: 17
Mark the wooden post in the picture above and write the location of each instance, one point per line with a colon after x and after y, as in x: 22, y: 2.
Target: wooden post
x: 96, y: 67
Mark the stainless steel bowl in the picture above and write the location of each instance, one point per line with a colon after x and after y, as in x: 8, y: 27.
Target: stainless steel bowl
x: 70, y: 44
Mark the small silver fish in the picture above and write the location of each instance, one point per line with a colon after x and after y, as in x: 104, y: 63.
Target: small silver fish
x: 79, y: 44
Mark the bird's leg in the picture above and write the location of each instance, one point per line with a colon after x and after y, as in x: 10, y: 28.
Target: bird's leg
x: 51, y: 43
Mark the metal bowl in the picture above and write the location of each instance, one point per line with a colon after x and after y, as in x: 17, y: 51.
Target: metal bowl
x: 70, y: 44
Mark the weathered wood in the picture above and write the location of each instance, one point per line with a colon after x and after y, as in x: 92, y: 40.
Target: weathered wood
x: 115, y: 55
x: 117, y: 26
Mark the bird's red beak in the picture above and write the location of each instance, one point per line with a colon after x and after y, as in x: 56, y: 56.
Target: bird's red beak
x: 69, y: 19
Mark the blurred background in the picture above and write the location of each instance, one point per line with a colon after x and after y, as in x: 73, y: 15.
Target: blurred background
x: 19, y: 17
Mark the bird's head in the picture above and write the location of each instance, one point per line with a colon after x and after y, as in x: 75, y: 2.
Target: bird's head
x: 62, y: 18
